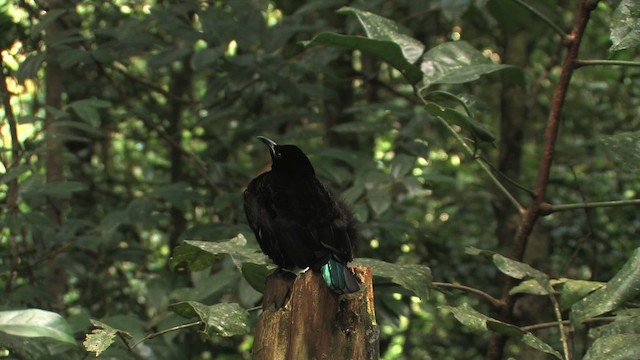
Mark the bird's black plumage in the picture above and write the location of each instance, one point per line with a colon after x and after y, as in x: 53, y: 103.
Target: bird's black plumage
x: 298, y: 222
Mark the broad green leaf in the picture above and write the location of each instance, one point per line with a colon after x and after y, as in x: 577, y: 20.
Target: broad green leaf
x: 623, y: 324
x: 256, y: 275
x: 87, y: 109
x: 455, y: 63
x: 379, y: 200
x: 520, y: 270
x: 574, y: 290
x: 401, y: 165
x: 380, y: 28
x: 29, y: 67
x: 236, y: 248
x: 45, y: 20
x: 530, y: 286
x: 615, y: 347
x: 454, y: 117
x: 206, y: 57
x: 14, y: 173
x: 192, y: 257
x: 226, y: 319
x: 480, y: 323
x: 387, y: 51
x: 625, y: 25
x: 625, y: 285
x: 63, y: 189
x: 413, y: 277
x: 36, y: 323
x: 102, y: 337
x: 624, y: 149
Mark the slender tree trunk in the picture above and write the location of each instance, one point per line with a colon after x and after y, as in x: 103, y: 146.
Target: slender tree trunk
x: 54, y: 149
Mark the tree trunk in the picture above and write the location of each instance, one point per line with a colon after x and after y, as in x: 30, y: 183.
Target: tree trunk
x: 303, y: 320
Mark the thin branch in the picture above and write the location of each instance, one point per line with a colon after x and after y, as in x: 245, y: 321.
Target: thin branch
x: 552, y: 324
x: 580, y: 63
x: 498, y: 341
x: 563, y: 334
x: 547, y: 209
x: 162, y: 332
x: 542, y: 17
x: 495, y: 302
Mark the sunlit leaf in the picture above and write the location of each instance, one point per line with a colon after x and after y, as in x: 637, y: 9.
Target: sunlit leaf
x: 380, y: 28
x: 236, y: 248
x: 625, y: 25
x: 455, y: 63
x: 625, y: 285
x: 413, y: 277
x: 225, y: 319
x: 102, y: 337
x: 36, y: 323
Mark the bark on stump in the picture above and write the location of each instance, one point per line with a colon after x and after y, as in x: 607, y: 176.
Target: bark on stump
x: 303, y: 320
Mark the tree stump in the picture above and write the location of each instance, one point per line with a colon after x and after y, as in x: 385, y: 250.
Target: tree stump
x: 303, y: 320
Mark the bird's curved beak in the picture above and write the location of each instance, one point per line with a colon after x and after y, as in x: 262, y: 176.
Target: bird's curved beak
x: 270, y: 143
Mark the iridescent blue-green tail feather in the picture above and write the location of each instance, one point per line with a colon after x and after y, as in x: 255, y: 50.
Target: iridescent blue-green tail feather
x: 339, y: 278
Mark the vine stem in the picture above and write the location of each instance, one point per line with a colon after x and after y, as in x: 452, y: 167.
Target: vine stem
x: 162, y: 332
x: 542, y: 17
x: 547, y: 209
x: 580, y: 63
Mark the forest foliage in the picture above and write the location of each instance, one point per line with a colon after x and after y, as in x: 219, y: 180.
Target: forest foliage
x: 489, y: 150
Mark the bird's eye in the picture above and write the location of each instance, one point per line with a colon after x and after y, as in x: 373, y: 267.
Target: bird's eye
x: 278, y: 154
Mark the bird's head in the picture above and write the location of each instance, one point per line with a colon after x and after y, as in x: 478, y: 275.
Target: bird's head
x: 288, y: 159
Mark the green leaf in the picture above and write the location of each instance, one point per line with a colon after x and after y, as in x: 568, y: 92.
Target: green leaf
x: 380, y: 28
x: 193, y: 257
x: 455, y: 63
x: 87, y: 109
x: 29, y: 67
x: 625, y: 285
x: 63, y: 189
x: 530, y: 286
x: 256, y: 275
x: 226, y: 319
x: 102, y: 337
x: 624, y: 149
x: 206, y: 57
x: 623, y: 324
x: 45, y: 20
x: 625, y: 25
x: 615, y: 347
x: 36, y: 323
x: 413, y: 277
x: 236, y: 248
x: 401, y: 165
x: 379, y: 200
x: 454, y: 117
x: 387, y: 51
x: 14, y: 173
x: 574, y: 290
x: 480, y: 323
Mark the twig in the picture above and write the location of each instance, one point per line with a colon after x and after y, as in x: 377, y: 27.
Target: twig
x: 563, y: 335
x: 542, y: 17
x: 580, y: 63
x: 496, y: 303
x: 162, y: 332
x: 552, y: 324
x: 547, y: 209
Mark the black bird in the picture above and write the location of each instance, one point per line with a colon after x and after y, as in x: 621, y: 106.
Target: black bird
x: 298, y: 222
